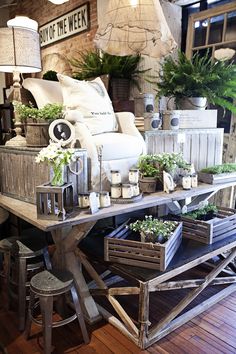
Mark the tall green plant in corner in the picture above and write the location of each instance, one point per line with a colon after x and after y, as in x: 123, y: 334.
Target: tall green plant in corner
x: 199, y: 76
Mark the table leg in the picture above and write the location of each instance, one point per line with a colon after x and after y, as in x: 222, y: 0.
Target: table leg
x: 66, y: 242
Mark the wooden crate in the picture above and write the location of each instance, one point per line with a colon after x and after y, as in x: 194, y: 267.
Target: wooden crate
x: 213, y: 230
x: 141, y: 254
x: 54, y: 202
x: 20, y: 174
x: 202, y: 147
x: 216, y: 178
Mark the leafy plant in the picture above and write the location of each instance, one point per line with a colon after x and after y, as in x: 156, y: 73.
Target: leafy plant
x: 200, y: 213
x: 50, y: 111
x: 50, y: 75
x: 199, y: 76
x: 152, y: 228
x: 154, y: 165
x: 91, y: 64
x: 224, y: 168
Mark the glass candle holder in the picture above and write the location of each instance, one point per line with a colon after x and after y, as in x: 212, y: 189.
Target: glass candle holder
x: 133, y: 175
x: 115, y: 190
x: 115, y: 177
x: 105, y: 200
x: 127, y: 191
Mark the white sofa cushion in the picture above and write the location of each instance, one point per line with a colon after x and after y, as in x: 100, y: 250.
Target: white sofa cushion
x: 44, y: 91
x: 118, y: 146
x: 91, y: 99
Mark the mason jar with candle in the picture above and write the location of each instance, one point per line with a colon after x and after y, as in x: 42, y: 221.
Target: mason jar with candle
x: 186, y: 182
x: 127, y: 191
x: 105, y: 200
x: 115, y: 177
x: 133, y: 175
x: 116, y: 191
x: 83, y: 200
x: 194, y: 181
x: 135, y: 189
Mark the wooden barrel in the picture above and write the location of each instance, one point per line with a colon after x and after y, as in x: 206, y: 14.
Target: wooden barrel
x: 37, y: 134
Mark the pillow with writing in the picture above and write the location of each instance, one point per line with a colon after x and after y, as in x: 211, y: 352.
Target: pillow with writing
x: 92, y: 100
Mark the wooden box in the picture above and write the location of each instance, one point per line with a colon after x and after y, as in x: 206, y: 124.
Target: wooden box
x: 213, y: 230
x: 202, y: 147
x: 141, y: 254
x: 189, y: 119
x: 54, y: 202
x: 216, y: 178
x: 20, y: 174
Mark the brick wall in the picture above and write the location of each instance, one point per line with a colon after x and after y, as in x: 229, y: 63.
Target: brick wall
x: 54, y: 57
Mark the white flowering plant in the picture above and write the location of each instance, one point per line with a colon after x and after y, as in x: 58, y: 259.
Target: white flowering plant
x: 57, y: 157
x: 154, y: 230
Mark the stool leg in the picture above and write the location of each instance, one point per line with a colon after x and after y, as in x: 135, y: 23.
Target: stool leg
x: 79, y: 314
x: 7, y: 259
x: 30, y: 314
x: 22, y: 292
x: 47, y: 259
x: 46, y: 306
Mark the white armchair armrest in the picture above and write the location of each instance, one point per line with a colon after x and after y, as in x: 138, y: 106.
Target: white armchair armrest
x: 126, y: 125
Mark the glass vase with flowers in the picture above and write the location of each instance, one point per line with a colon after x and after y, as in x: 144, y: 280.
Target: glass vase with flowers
x: 57, y: 157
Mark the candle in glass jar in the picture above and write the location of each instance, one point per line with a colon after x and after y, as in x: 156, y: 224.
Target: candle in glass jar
x: 135, y: 189
x: 194, y: 181
x: 133, y: 175
x: 83, y: 200
x: 127, y: 191
x: 115, y: 177
x: 116, y: 190
x: 186, y: 182
x: 105, y: 200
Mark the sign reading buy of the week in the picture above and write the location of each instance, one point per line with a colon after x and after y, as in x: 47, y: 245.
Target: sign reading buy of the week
x: 73, y: 22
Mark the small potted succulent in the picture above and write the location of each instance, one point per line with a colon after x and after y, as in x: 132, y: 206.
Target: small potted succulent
x: 37, y: 121
x: 154, y: 230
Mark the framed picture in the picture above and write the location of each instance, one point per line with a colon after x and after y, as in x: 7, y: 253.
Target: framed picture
x: 60, y: 130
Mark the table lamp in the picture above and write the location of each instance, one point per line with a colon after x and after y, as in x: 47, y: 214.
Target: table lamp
x: 134, y: 27
x: 20, y: 54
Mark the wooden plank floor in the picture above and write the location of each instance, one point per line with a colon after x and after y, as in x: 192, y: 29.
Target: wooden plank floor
x: 213, y: 332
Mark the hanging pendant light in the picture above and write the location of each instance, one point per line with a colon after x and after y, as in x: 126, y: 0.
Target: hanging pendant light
x: 134, y: 27
x: 58, y: 2
x: 24, y: 22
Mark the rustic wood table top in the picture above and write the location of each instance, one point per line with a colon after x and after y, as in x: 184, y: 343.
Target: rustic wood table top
x: 27, y: 211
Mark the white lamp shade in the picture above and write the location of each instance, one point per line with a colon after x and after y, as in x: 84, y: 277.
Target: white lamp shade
x: 20, y: 50
x: 23, y: 21
x: 134, y: 26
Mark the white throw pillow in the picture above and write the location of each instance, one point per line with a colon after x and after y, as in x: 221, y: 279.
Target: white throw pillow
x: 92, y: 100
x: 44, y: 91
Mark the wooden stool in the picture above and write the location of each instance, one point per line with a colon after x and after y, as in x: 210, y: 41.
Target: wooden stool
x: 27, y: 256
x: 45, y: 285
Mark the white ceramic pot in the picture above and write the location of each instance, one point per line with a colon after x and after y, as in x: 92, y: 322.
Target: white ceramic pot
x: 194, y: 103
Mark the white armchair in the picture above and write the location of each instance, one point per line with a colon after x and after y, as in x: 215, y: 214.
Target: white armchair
x: 121, y: 149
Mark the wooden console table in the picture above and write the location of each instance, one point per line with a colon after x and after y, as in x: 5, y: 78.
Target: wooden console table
x: 68, y: 234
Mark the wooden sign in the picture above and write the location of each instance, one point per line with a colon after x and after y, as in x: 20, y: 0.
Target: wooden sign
x: 73, y: 22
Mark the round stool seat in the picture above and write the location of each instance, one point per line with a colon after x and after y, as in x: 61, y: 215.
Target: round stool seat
x: 6, y: 243
x: 53, y: 282
x: 29, y: 247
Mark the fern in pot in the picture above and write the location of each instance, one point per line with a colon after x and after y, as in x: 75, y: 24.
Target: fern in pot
x: 187, y: 80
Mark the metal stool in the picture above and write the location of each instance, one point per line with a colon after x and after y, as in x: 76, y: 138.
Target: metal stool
x: 22, y: 258
x: 45, y: 285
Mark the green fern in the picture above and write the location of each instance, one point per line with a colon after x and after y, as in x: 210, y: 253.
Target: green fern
x: 198, y: 77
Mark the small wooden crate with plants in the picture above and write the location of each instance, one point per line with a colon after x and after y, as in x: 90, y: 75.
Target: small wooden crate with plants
x: 159, y: 241
x: 209, y: 224
x: 218, y: 174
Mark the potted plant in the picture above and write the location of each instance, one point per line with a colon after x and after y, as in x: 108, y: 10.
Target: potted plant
x: 151, y: 169
x: 37, y: 121
x: 218, y: 173
x: 198, y: 77
x: 50, y: 75
x: 208, y: 212
x: 154, y: 230
x: 121, y: 70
